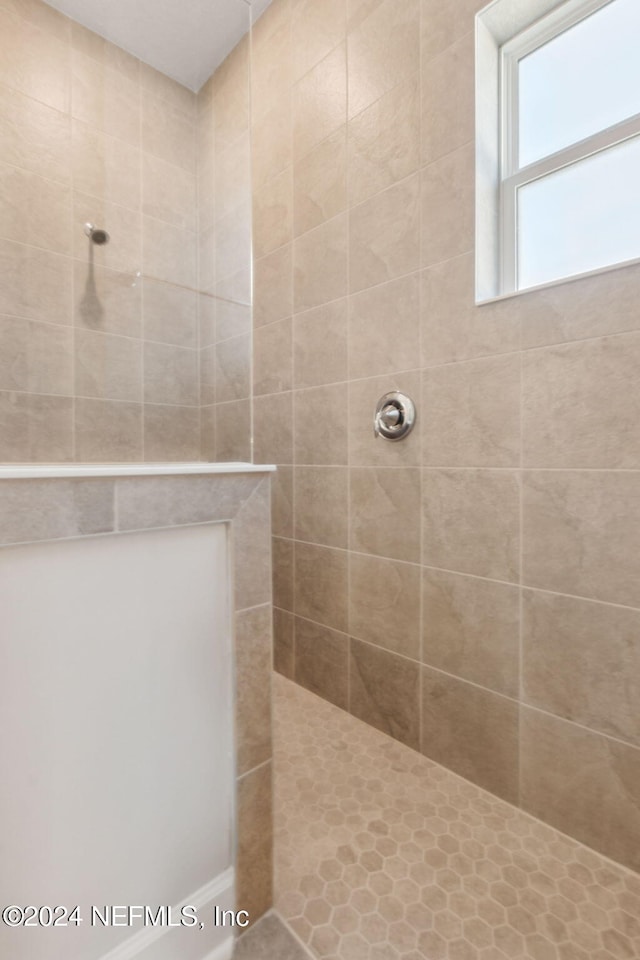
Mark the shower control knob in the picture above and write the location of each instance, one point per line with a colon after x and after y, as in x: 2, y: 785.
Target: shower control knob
x: 395, y: 416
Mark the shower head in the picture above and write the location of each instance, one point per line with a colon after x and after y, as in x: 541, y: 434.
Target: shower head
x: 96, y: 235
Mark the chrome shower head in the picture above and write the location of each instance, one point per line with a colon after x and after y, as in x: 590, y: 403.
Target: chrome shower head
x: 96, y: 235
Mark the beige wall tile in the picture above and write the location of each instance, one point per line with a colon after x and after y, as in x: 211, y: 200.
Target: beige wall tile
x: 254, y: 859
x: 315, y: 30
x: 160, y: 501
x: 169, y: 192
x: 271, y: 59
x: 36, y: 284
x: 231, y: 96
x: 384, y: 141
x: 282, y: 560
x: 448, y: 207
x: 384, y: 603
x: 580, y: 534
x: 104, y: 166
x: 448, y: 99
x: 384, y: 692
x: 253, y: 687
x: 233, y: 247
x: 272, y: 141
x: 233, y: 369
x: 35, y: 428
x: 207, y: 433
x: 581, y: 404
x: 72, y: 508
x: 581, y: 661
x: 320, y: 183
x: 453, y: 327
x: 207, y: 372
x: 273, y: 213
x: 472, y: 413
x: 233, y: 305
x: 40, y: 15
x: 180, y: 97
x: 34, y: 137
x: 365, y: 449
x: 582, y: 783
x: 471, y: 522
x: 206, y: 309
x: 108, y: 301
x: 320, y: 345
x: 283, y: 643
x: 171, y: 433
x: 441, y: 25
x: 34, y: 210
x: 384, y: 236
x: 272, y: 358
x: 124, y: 251
x: 471, y: 730
x: 108, y: 367
x: 233, y: 432
x: 170, y: 374
x: 108, y: 431
x: 322, y: 661
x: 168, y: 133
x: 282, y: 502
x: 170, y: 314
x: 96, y: 47
x: 170, y: 253
x: 36, y: 357
x: 34, y: 62
x: 321, y: 585
x: 232, y: 176
x: 252, y: 549
x: 383, y: 507
x: 320, y: 265
x: 273, y: 428
x: 273, y: 286
x: 318, y: 413
x: 384, y: 328
x: 321, y: 505
x: 320, y: 102
x: 105, y: 99
x: 471, y: 629
x: 384, y: 48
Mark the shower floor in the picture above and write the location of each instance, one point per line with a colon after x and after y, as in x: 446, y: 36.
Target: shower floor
x: 382, y: 854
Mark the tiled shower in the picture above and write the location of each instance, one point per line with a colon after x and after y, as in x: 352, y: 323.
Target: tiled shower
x: 288, y: 245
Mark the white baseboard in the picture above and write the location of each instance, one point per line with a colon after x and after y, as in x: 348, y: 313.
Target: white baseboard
x: 165, y: 943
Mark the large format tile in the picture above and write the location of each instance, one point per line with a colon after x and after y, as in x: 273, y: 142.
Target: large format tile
x: 581, y: 661
x: 253, y: 646
x: 321, y: 505
x: 384, y: 692
x: 320, y: 345
x: 366, y: 449
x: 384, y: 603
x: 319, y: 414
x: 320, y: 183
x: 320, y: 102
x: 320, y: 265
x: 384, y: 332
x: 448, y: 102
x: 321, y: 661
x: 384, y: 235
x: 384, y: 508
x: 37, y: 510
x: 473, y: 731
x: 254, y: 858
x: 108, y: 431
x: 267, y: 939
x: 35, y: 429
x: 448, y: 214
x: 36, y: 283
x: 321, y: 585
x: 36, y: 357
x: 583, y: 783
x: 580, y: 534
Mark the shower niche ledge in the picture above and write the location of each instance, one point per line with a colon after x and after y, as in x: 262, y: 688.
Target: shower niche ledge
x: 134, y: 756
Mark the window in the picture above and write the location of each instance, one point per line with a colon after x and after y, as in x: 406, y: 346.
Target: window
x: 566, y: 177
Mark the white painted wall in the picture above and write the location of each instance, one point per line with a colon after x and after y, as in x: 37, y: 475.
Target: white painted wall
x: 115, y: 732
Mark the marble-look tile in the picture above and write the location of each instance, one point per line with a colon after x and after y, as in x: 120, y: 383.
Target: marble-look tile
x: 170, y: 314
x: 107, y: 367
x: 321, y: 505
x: 320, y: 345
x: 365, y: 449
x: 283, y: 642
x: 583, y: 783
x: 384, y: 48
x: 231, y: 96
x: 384, y: 692
x: 581, y: 406
x: 273, y: 213
x: 232, y: 176
x: 273, y: 286
x: 271, y: 141
x: 35, y: 428
x: 471, y: 522
x: 448, y: 101
x: 580, y: 534
x: 34, y: 137
x: 384, y: 603
x: 442, y: 25
x: 320, y: 265
x: 171, y: 433
x: 148, y: 502
x: 106, y: 99
x: 169, y: 192
x: 471, y: 629
x: 108, y: 431
x: 315, y: 30
x: 271, y: 60
x: 472, y: 413
x: 320, y: 102
x: 320, y: 183
x: 318, y: 415
x: 252, y: 549
x: 384, y: 506
x: 170, y: 374
x: 34, y: 211
x: 283, y: 570
x: 253, y: 647
x: 168, y: 133
x: 273, y: 428
x: 45, y: 510
x: 272, y: 357
x: 170, y: 253
x: 322, y: 661
x: 254, y: 858
x: 233, y: 432
x: 233, y: 369
x: 108, y: 301
x: 36, y: 283
x: 384, y: 328
x: 124, y: 226
x: 384, y: 142
x: 267, y: 939
x: 473, y: 730
x: 34, y: 61
x: 282, y: 502
x: 104, y: 166
x: 36, y: 357
x: 448, y: 214
x: 384, y: 235
x: 581, y: 661
x: 321, y: 585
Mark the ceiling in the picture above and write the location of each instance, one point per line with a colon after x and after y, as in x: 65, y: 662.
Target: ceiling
x: 185, y: 39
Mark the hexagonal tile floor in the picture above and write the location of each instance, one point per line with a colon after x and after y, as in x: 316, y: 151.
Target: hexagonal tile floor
x: 382, y: 854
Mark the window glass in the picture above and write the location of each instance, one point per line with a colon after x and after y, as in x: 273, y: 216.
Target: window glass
x: 582, y: 217
x: 584, y: 80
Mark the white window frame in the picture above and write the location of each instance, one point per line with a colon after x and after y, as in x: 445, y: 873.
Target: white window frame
x: 506, y: 32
